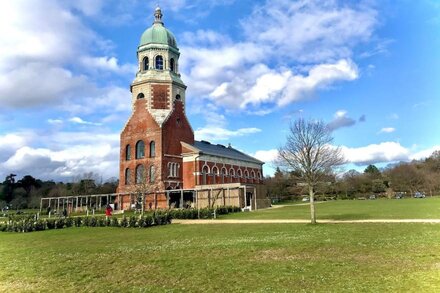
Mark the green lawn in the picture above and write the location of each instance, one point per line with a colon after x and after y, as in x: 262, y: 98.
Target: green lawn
x: 410, y: 208
x: 224, y: 258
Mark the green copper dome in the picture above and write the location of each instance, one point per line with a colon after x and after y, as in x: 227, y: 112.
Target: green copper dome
x: 158, y: 34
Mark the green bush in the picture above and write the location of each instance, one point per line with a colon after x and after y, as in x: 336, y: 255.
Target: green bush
x: 50, y: 224
x: 100, y: 222
x: 29, y: 224
x: 78, y: 221
x: 3, y: 227
x: 86, y: 222
x: 40, y: 225
x: 59, y: 224
x: 124, y: 222
x: 69, y: 222
x: 132, y: 222
x: 93, y: 222
x: 114, y: 222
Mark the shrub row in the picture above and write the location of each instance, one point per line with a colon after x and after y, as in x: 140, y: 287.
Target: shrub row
x: 206, y: 213
x: 30, y: 225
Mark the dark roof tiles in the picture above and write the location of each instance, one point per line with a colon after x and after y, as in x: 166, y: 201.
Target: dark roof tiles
x: 223, y: 151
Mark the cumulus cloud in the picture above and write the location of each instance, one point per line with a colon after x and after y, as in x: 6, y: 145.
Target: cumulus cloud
x: 385, y: 152
x: 37, y: 84
x: 267, y: 156
x: 43, y: 48
x: 257, y: 73
x: 107, y: 63
x: 62, y: 156
x: 340, y: 120
x: 424, y: 153
x: 376, y: 153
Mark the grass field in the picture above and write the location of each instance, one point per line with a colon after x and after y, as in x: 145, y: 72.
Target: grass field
x: 209, y: 258
x: 236, y: 258
x: 410, y: 208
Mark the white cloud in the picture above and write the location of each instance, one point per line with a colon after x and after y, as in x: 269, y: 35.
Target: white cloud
x: 340, y: 120
x: 108, y: 63
x: 267, y: 156
x: 424, y: 153
x: 311, y: 31
x: 376, y: 153
x: 61, y: 156
x: 387, y: 130
x: 218, y: 133
x: 78, y: 120
x: 54, y: 121
x: 319, y: 77
x: 35, y: 84
x: 64, y: 165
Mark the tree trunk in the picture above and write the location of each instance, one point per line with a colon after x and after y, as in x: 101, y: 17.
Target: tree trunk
x: 312, y: 205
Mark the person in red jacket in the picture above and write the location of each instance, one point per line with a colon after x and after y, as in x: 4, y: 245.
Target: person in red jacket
x: 108, y: 211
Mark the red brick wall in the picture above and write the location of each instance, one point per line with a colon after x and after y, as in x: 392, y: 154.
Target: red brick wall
x: 160, y: 96
x: 141, y: 126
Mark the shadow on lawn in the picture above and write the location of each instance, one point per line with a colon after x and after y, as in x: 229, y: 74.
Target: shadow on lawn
x: 346, y: 217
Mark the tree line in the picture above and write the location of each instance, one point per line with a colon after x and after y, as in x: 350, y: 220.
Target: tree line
x: 404, y: 177
x: 27, y: 191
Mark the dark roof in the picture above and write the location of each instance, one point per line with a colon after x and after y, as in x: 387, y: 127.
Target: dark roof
x: 223, y: 151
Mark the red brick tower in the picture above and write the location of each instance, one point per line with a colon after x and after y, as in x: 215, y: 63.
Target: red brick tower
x: 151, y: 151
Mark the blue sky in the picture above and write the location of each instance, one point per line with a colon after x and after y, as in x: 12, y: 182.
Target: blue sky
x: 371, y: 69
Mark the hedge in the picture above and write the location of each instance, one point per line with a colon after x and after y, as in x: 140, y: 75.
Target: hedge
x: 30, y: 224
x: 205, y: 213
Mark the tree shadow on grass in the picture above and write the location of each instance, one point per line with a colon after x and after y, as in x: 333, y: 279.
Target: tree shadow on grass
x: 351, y: 216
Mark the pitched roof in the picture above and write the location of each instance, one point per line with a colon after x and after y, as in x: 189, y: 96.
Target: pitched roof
x: 219, y: 150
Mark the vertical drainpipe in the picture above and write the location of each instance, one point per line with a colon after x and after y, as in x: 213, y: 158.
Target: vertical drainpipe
x: 195, y: 171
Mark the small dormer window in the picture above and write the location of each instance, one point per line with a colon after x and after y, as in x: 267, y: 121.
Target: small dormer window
x: 145, y: 63
x: 172, y: 64
x: 159, y: 62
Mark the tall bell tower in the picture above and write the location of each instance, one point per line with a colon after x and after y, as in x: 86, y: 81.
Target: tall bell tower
x: 151, y: 152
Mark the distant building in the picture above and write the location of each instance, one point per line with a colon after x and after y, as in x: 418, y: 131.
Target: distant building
x: 159, y: 156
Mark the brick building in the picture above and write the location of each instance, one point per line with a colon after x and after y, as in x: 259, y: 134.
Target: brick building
x: 159, y: 156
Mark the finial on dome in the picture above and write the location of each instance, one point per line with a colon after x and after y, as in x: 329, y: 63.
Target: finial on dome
x: 158, y: 15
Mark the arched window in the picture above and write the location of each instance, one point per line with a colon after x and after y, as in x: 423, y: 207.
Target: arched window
x: 205, y: 171
x: 253, y: 174
x: 140, y: 149
x: 140, y: 96
x: 128, y: 152
x: 152, y: 174
x: 246, y: 174
x: 159, y: 62
x: 145, y: 63
x: 232, y: 172
x: 140, y: 174
x: 127, y: 176
x: 224, y: 174
x: 172, y: 64
x: 152, y: 149
x: 239, y: 173
x: 215, y: 174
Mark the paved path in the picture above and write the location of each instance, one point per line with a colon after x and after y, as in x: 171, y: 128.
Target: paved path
x: 300, y: 221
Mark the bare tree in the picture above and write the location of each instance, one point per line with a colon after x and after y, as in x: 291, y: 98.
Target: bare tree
x: 147, y: 182
x: 309, y: 152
